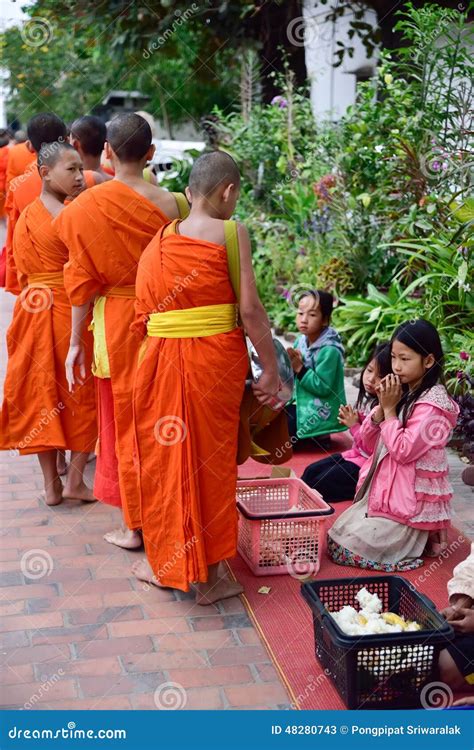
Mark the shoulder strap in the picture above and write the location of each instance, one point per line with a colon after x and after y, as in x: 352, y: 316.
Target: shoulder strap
x: 183, y: 205
x: 233, y: 255
x: 169, y: 229
x: 147, y: 174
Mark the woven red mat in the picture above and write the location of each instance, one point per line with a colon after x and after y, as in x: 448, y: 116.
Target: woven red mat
x: 284, y: 620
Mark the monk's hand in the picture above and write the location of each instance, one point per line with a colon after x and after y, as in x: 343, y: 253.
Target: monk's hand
x: 266, y: 389
x: 389, y: 392
x: 348, y: 416
x: 296, y: 359
x: 75, y: 366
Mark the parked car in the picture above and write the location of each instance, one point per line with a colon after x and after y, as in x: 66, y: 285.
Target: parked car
x: 169, y: 156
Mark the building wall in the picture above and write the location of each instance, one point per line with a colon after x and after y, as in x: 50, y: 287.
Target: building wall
x: 333, y: 89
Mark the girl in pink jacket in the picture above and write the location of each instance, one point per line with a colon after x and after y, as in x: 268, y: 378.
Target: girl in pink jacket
x: 403, y: 494
x: 335, y: 476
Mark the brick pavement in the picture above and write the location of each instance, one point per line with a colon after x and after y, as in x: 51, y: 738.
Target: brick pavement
x: 78, y: 631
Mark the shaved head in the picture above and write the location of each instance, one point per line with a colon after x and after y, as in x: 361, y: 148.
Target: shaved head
x: 50, y: 153
x: 45, y: 128
x: 129, y: 136
x: 213, y: 170
x: 91, y: 133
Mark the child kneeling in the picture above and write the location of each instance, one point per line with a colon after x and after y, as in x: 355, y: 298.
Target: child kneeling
x: 318, y: 363
x: 403, y: 493
x: 335, y: 477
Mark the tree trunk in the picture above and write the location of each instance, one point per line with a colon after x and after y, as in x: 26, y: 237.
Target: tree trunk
x: 270, y: 27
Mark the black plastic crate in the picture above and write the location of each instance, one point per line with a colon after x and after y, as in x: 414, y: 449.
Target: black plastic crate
x: 377, y: 671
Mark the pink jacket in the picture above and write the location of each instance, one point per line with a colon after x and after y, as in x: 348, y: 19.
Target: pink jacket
x: 358, y: 453
x: 410, y: 484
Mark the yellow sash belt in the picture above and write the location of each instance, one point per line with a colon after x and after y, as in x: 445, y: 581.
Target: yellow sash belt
x: 119, y: 291
x: 51, y: 279
x: 101, y: 365
x: 193, y: 322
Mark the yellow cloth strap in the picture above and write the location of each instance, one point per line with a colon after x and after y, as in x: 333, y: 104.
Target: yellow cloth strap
x: 101, y: 365
x: 233, y: 255
x: 208, y: 320
x: 147, y: 174
x: 193, y: 322
x: 183, y: 205
x: 46, y: 279
x: 119, y: 291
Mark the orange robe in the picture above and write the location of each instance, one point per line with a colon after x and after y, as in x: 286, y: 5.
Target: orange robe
x: 106, y: 230
x: 23, y: 191
x: 19, y: 159
x: 38, y: 412
x: 187, y: 397
x: 3, y: 178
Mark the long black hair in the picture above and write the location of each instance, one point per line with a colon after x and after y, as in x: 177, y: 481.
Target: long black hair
x: 422, y: 337
x: 381, y: 354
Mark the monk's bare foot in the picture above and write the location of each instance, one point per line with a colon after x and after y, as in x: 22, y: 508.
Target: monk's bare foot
x: 125, y: 538
x: 53, y: 493
x: 142, y: 570
x: 79, y: 492
x: 223, y: 589
x: 61, y: 464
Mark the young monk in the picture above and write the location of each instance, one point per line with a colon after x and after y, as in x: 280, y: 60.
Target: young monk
x: 88, y: 136
x: 42, y: 129
x: 39, y: 414
x: 189, y: 385
x: 4, y: 149
x: 106, y: 230
x: 20, y: 157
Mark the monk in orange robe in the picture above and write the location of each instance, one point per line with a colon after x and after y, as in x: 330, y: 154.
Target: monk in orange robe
x: 39, y: 414
x: 88, y: 134
x: 42, y: 129
x: 20, y: 157
x: 106, y: 230
x: 4, y: 149
x: 189, y: 385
